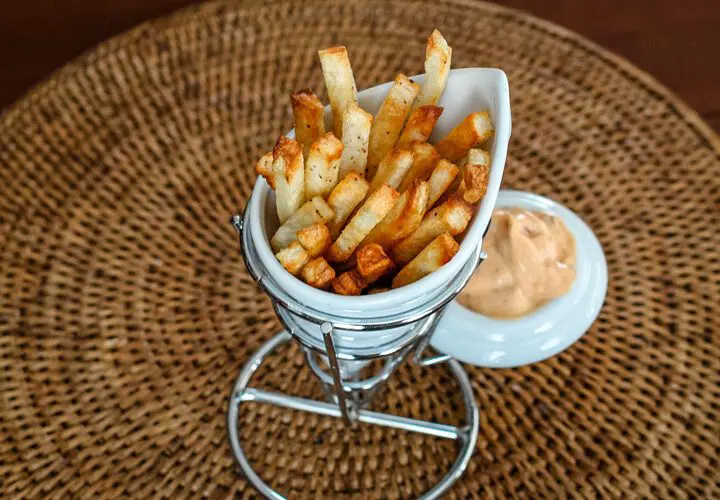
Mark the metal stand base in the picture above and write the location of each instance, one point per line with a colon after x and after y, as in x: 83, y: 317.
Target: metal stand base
x: 466, y: 435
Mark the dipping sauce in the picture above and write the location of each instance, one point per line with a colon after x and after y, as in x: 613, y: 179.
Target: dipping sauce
x: 531, y: 261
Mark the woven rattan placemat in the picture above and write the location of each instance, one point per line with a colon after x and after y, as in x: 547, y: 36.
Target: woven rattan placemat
x: 126, y: 313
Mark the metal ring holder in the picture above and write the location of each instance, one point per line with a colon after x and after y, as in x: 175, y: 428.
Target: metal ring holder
x: 347, y: 395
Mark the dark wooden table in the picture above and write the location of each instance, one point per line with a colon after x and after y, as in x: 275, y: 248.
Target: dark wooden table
x: 676, y: 42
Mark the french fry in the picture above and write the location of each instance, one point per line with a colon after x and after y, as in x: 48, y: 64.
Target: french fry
x: 293, y: 257
x: 456, y: 187
x: 356, y: 126
x: 346, y: 196
x: 340, y: 83
x: 392, y: 169
x: 476, y: 175
x: 419, y: 126
x: 318, y: 273
x: 441, y: 179
x: 474, y: 129
x: 403, y: 219
x: 389, y: 120
x: 451, y: 217
x: 373, y: 263
x: 321, y: 166
x: 477, y: 156
x: 314, y: 211
x: 348, y: 283
x: 289, y: 177
x: 309, y: 116
x: 367, y: 217
x: 431, y: 258
x: 377, y: 289
x: 425, y: 157
x: 315, y: 239
x: 438, y: 56
x: 264, y: 167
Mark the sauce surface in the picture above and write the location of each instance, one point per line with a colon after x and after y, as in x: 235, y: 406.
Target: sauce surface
x: 531, y: 261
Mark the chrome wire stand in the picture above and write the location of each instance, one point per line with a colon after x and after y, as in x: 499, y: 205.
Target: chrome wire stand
x: 347, y: 394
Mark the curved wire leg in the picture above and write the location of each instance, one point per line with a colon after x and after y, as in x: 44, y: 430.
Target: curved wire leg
x: 466, y: 435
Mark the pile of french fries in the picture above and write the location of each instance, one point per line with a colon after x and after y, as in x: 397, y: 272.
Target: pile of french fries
x: 371, y: 204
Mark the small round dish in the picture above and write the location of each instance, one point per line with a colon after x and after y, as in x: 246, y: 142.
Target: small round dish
x: 482, y: 341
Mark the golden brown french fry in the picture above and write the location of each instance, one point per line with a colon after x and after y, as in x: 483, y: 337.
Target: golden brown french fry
x: 392, y: 169
x: 346, y: 196
x: 373, y: 263
x: 450, y: 217
x: 348, y: 283
x: 293, y: 257
x: 441, y: 179
x: 356, y: 134
x: 318, y: 273
x: 340, y: 83
x: 264, y: 167
x: 419, y: 126
x: 403, y: 219
x: 289, y: 177
x: 425, y: 157
x: 438, y: 56
x: 377, y: 289
x: 389, y: 120
x: 456, y: 187
x: 477, y: 156
x: 476, y: 175
x: 431, y: 258
x: 321, y: 166
x: 314, y: 211
x: 309, y: 116
x: 473, y: 130
x: 367, y: 217
x: 315, y: 239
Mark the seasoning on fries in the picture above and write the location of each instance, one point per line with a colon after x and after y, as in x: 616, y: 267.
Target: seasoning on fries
x: 372, y: 202
x: 356, y: 125
x: 321, y: 166
x: 309, y: 115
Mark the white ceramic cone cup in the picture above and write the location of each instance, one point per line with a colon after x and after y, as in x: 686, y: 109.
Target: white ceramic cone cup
x: 468, y: 90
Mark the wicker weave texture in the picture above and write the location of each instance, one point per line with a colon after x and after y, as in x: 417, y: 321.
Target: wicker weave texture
x: 125, y: 310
